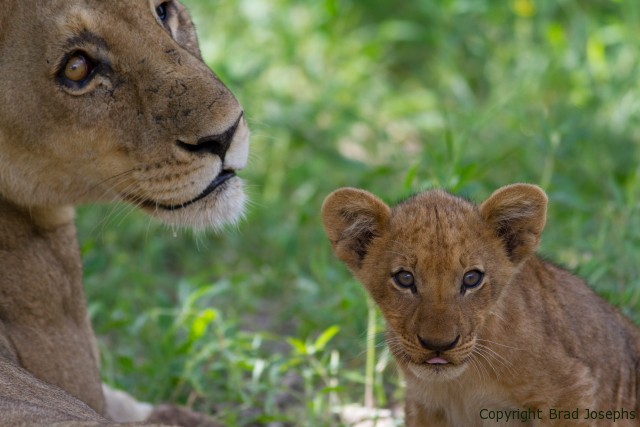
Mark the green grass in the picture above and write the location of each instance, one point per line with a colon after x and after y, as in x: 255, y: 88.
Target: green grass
x: 260, y: 323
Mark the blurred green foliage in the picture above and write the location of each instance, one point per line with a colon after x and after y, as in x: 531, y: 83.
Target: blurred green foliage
x: 393, y: 97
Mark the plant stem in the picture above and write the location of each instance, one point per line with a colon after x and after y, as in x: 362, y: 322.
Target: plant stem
x: 371, y: 354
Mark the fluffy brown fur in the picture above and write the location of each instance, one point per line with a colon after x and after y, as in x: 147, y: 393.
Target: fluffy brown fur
x: 150, y: 124
x: 527, y: 336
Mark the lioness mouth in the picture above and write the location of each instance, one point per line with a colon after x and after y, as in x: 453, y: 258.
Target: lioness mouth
x: 223, y: 177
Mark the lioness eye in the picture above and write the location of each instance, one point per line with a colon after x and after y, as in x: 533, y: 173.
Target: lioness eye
x: 472, y: 279
x: 77, y: 68
x: 161, y: 11
x: 404, y: 279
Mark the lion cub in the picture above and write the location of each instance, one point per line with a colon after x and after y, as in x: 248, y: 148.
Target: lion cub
x: 485, y: 332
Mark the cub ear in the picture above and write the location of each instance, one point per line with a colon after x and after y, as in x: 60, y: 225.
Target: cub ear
x: 517, y: 213
x: 352, y: 218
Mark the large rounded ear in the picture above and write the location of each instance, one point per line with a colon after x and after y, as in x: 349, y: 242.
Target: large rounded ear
x: 517, y: 213
x: 352, y: 218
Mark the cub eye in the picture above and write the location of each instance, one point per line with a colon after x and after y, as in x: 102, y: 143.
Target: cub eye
x: 77, y: 68
x: 472, y: 279
x: 404, y: 279
x: 161, y: 11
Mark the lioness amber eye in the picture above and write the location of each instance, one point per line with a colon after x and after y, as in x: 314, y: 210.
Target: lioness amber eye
x: 161, y: 11
x: 77, y: 68
x: 404, y: 279
x: 472, y: 279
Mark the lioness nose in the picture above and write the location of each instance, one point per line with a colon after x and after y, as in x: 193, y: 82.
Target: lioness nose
x: 214, y: 144
x: 438, y: 346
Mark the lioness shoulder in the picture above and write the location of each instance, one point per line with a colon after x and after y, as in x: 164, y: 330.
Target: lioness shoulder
x: 480, y: 326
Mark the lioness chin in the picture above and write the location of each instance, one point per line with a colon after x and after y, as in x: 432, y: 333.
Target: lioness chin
x: 485, y: 332
x: 99, y: 101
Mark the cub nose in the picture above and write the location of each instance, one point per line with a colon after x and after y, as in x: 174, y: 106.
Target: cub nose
x: 438, y: 346
x: 213, y: 144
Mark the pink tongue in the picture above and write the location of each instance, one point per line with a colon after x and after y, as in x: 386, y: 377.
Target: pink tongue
x: 437, y: 361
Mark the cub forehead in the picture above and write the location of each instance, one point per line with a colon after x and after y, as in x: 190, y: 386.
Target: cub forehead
x: 437, y: 230
x: 438, y: 225
x: 435, y: 213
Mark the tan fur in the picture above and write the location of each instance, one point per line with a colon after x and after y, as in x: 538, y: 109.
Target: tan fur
x: 147, y: 127
x: 530, y: 336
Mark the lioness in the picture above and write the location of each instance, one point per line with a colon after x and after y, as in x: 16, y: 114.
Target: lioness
x: 485, y: 331
x: 99, y: 101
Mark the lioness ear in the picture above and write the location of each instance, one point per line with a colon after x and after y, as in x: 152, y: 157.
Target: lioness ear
x: 517, y: 213
x: 352, y: 219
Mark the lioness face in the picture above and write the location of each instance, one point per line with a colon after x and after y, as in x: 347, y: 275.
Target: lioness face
x: 436, y: 265
x: 103, y: 100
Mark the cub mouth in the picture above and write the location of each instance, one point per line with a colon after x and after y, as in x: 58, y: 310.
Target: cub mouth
x: 437, y: 371
x: 437, y: 364
x: 218, y: 181
x: 437, y: 360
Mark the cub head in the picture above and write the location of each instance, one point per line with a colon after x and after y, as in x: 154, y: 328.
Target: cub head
x: 436, y: 265
x: 111, y: 100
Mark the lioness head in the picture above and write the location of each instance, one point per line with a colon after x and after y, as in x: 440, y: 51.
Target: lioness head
x: 103, y: 100
x: 436, y: 265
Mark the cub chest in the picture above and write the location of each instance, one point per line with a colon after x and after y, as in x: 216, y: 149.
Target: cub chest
x: 465, y: 403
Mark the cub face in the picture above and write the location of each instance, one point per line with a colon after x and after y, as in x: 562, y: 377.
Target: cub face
x: 436, y: 265
x: 111, y: 100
